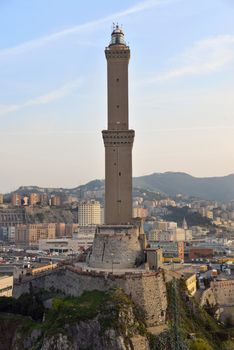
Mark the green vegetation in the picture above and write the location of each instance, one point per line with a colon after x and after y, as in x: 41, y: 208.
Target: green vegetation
x: 70, y: 310
x: 149, y: 195
x: 197, y: 329
x: 116, y: 314
x: 108, y: 306
x: 39, y: 217
x: 18, y: 327
x: 26, y: 305
x: 199, y: 344
x: 172, y: 183
x: 110, y: 310
x: 193, y: 219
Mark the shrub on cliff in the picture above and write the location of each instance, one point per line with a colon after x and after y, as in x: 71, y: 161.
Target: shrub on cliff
x: 26, y: 305
x: 199, y: 344
x: 187, y: 317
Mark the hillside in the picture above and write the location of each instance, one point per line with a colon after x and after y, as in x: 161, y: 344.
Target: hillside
x: 107, y: 321
x: 211, y: 188
x: 95, y: 320
x: 170, y: 183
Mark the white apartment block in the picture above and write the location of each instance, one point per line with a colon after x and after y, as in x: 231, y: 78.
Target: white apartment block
x: 89, y: 213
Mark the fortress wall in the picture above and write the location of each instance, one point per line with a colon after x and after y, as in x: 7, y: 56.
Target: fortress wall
x: 220, y: 292
x: 66, y: 280
x: 116, y: 246
x: 208, y: 297
x: 223, y: 292
x: 147, y: 290
x: 75, y: 283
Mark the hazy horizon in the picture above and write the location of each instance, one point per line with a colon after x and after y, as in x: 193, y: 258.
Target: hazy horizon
x: 102, y: 179
x: 53, y: 102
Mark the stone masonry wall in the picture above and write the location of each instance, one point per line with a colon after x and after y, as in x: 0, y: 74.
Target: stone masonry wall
x: 147, y: 290
x: 208, y: 298
x: 223, y: 292
x: 116, y: 245
x: 220, y: 293
x: 66, y: 280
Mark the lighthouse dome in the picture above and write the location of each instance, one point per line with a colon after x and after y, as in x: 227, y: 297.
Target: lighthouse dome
x: 117, y: 36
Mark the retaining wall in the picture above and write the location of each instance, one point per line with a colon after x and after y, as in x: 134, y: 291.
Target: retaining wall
x: 147, y: 290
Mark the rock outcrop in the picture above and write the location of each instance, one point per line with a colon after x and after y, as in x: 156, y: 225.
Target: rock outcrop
x: 99, y: 321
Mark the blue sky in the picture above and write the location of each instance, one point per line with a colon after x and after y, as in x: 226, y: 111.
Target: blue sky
x: 53, y: 88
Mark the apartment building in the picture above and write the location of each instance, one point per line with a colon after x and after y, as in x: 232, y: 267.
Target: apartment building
x: 89, y: 213
x: 30, y: 234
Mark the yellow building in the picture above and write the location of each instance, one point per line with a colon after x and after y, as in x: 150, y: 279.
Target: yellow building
x: 30, y: 234
x: 139, y: 212
x: 190, y: 282
x: 6, y: 286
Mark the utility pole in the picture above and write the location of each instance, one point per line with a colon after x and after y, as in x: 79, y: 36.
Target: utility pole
x: 176, y: 339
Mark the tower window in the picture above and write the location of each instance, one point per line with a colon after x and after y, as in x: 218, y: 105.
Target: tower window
x: 117, y: 80
x: 117, y: 106
x: 119, y: 173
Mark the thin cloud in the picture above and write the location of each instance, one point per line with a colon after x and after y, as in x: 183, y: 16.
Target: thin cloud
x: 204, y: 57
x: 53, y: 95
x: 42, y: 41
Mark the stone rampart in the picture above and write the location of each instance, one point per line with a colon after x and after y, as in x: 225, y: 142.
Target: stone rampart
x: 208, y: 298
x: 121, y: 246
x: 223, y: 292
x: 147, y: 290
x: 220, y: 293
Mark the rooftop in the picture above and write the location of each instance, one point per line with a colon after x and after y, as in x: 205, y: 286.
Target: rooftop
x: 3, y: 277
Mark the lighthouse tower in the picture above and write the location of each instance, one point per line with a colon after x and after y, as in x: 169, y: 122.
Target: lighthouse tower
x: 118, y: 139
x: 119, y: 243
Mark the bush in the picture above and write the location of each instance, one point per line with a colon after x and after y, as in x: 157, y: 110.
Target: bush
x: 199, y: 344
x: 26, y: 305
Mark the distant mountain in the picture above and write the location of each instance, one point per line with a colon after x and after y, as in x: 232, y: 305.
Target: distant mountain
x: 170, y: 183
x: 211, y: 188
x: 93, y: 185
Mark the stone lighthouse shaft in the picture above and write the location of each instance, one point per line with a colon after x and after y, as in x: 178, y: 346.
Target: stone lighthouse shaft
x: 118, y: 139
x: 120, y: 242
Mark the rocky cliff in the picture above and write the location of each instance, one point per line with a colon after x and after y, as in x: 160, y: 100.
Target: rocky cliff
x: 96, y: 320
